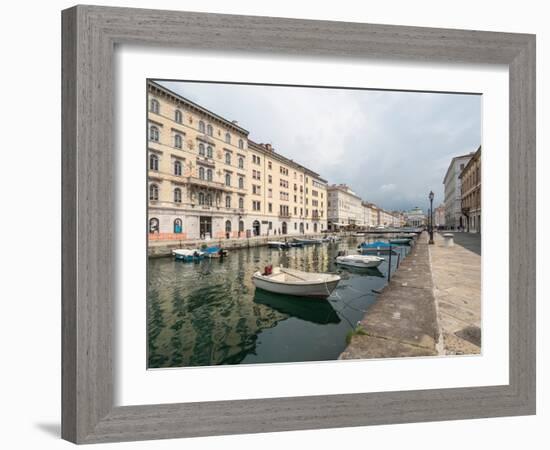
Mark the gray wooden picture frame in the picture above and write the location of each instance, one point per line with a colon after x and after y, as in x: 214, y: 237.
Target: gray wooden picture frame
x: 90, y: 34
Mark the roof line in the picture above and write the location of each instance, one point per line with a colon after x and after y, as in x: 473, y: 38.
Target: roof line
x: 199, y: 107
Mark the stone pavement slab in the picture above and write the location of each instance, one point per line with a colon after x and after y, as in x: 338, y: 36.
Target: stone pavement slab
x: 457, y: 288
x: 403, y: 320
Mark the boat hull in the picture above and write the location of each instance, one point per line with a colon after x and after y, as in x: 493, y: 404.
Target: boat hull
x: 312, y: 291
x: 188, y: 255
x: 358, y: 264
x: 188, y: 258
x: 400, y: 241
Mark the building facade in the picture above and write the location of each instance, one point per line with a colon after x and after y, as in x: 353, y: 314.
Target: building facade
x: 454, y: 218
x: 439, y: 216
x: 370, y: 214
x: 470, y: 179
x: 415, y: 217
x: 207, y: 179
x: 345, y: 208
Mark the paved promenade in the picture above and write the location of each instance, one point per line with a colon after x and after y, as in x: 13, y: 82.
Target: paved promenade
x: 432, y: 306
x: 456, y: 275
x: 403, y: 321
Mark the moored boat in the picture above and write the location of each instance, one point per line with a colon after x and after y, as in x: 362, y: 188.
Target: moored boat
x: 308, y: 241
x: 295, y: 244
x: 294, y: 282
x: 278, y: 244
x: 188, y: 255
x: 214, y: 252
x: 375, y: 247
x: 401, y: 241
x: 360, y: 261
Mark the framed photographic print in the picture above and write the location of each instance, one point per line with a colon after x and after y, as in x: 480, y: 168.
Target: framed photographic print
x: 267, y: 222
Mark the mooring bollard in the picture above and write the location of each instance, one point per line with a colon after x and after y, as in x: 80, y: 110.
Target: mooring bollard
x: 449, y: 240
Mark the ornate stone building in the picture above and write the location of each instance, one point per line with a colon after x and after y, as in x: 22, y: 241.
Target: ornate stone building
x: 471, y: 193
x: 207, y: 179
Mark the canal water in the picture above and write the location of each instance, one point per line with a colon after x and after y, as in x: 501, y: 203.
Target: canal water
x: 210, y: 313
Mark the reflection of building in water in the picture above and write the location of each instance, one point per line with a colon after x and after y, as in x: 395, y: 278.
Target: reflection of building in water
x: 203, y: 327
x: 215, y: 318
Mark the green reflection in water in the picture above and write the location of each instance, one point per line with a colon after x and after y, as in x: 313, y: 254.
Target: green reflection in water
x: 210, y: 313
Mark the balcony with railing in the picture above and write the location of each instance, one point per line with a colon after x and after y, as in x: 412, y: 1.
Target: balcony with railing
x: 206, y: 183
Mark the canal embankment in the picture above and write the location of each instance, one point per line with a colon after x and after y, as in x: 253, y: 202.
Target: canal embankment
x: 431, y: 306
x: 158, y: 249
x: 403, y: 321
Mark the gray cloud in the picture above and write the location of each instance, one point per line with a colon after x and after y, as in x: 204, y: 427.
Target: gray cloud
x: 391, y: 147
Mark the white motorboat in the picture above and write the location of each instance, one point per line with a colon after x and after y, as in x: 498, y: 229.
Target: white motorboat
x: 281, y: 280
x: 278, y: 244
x: 362, y: 261
x: 188, y: 255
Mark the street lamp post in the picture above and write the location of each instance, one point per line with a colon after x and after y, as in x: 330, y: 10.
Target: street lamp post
x: 431, y: 197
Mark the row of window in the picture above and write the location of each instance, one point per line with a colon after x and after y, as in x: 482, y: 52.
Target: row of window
x: 154, y: 107
x: 154, y: 225
x: 204, y: 199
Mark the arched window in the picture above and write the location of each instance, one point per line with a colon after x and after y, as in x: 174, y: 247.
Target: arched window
x: 209, y: 174
x: 241, y: 143
x: 241, y: 226
x: 241, y: 202
x: 177, y: 195
x: 209, y: 130
x: 177, y: 168
x: 209, y: 199
x: 241, y: 163
x: 228, y: 201
x: 228, y: 138
x: 178, y: 228
x: 241, y: 183
x: 227, y: 179
x: 177, y: 140
x: 201, y: 126
x: 178, y: 116
x: 209, y: 152
x: 201, y: 198
x: 228, y: 226
x: 154, y: 106
x: 153, y: 225
x: 153, y: 133
x: 153, y: 192
x: 201, y: 150
x: 201, y: 173
x: 228, y: 158
x: 153, y: 162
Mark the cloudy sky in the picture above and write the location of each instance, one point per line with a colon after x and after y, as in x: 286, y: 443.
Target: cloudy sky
x: 390, y: 147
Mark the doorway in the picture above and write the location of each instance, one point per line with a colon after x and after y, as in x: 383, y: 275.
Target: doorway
x: 205, y: 227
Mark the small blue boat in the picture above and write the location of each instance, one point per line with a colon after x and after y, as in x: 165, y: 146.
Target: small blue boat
x: 214, y: 252
x: 188, y: 255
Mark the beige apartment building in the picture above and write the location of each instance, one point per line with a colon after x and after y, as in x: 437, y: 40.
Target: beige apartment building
x: 207, y: 179
x: 345, y: 208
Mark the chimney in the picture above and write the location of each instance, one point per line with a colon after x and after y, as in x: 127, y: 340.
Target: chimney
x: 268, y: 147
